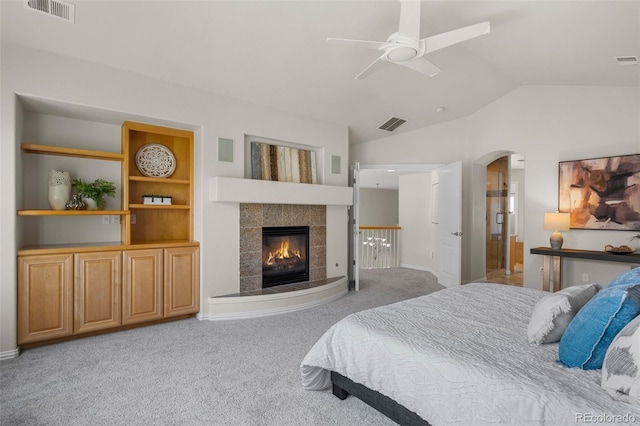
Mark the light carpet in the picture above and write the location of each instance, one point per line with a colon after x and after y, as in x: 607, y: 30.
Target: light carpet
x: 190, y: 372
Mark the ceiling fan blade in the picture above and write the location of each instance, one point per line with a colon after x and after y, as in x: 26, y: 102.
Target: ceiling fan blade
x: 410, y: 19
x: 370, y: 69
x: 358, y: 43
x: 449, y: 38
x: 422, y: 65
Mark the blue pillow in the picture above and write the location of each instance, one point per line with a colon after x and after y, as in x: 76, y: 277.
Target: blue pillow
x: 588, y: 336
x: 629, y: 277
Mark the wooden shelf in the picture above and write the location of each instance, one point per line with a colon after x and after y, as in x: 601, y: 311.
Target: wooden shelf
x: 159, y: 206
x: 43, y: 212
x: 71, y: 152
x: 158, y: 180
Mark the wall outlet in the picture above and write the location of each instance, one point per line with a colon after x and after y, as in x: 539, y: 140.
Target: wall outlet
x: 115, y: 220
x: 585, y: 278
x: 105, y: 219
x: 541, y: 271
x: 133, y: 219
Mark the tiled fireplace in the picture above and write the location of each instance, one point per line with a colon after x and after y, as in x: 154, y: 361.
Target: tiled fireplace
x: 255, y: 217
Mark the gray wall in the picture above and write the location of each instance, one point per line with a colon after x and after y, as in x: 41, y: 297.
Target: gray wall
x: 378, y: 207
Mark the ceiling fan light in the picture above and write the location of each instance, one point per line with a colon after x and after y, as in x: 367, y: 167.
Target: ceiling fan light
x: 402, y: 54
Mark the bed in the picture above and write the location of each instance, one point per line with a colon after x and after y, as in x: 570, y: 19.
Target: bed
x: 420, y: 364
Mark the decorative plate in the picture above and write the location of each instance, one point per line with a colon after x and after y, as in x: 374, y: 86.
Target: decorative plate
x: 622, y: 251
x: 155, y: 160
x: 619, y: 250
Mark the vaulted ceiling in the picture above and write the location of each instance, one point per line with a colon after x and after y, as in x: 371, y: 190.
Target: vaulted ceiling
x: 274, y: 52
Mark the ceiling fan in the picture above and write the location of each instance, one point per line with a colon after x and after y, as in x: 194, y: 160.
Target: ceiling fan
x: 405, y: 46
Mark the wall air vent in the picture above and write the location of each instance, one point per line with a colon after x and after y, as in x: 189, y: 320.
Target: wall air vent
x: 627, y: 60
x: 391, y: 124
x: 56, y: 8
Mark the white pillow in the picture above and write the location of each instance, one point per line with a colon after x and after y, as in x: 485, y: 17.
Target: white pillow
x: 553, y: 313
x: 621, y: 367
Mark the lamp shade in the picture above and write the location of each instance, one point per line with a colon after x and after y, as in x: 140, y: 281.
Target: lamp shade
x: 556, y: 221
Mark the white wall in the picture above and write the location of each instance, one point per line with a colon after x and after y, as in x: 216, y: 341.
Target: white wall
x: 115, y: 93
x: 552, y: 124
x: 546, y: 125
x: 378, y: 207
x: 419, y: 239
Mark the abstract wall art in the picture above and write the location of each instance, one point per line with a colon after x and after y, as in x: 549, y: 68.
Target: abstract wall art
x: 601, y: 193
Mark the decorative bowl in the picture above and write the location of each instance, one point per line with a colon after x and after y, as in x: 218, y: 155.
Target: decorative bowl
x: 619, y: 250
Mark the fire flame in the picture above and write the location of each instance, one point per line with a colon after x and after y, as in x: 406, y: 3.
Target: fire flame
x: 282, y: 253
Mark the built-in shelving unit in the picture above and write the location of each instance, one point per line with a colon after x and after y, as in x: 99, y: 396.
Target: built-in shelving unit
x: 158, y: 222
x: 68, y: 289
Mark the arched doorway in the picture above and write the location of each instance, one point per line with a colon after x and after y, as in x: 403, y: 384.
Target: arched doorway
x: 497, y: 231
x: 496, y: 234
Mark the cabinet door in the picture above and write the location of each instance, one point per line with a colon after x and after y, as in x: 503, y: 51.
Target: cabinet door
x: 45, y: 297
x: 142, y: 286
x: 181, y: 281
x: 97, y: 291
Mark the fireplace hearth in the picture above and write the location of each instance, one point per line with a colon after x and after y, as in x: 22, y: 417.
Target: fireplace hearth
x: 285, y: 255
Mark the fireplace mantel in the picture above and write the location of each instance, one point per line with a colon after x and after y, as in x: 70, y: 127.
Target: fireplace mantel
x: 238, y: 190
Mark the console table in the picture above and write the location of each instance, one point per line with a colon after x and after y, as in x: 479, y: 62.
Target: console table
x: 556, y: 255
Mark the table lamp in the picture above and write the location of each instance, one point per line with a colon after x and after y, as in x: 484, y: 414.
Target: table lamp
x: 556, y: 221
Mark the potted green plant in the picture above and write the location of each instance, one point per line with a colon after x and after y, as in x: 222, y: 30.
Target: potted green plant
x: 95, y: 191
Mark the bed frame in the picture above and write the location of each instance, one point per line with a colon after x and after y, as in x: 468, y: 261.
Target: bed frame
x: 343, y: 387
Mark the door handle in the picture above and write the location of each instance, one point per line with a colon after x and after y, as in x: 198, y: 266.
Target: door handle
x: 457, y: 234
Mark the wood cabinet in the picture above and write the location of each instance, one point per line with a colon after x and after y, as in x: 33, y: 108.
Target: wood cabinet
x: 142, y: 286
x: 61, y: 295
x: 45, y: 303
x: 181, y: 272
x: 96, y: 292
x: 152, y: 273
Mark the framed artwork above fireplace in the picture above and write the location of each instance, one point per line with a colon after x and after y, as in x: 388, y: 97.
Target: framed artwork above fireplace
x: 283, y: 163
x: 601, y: 193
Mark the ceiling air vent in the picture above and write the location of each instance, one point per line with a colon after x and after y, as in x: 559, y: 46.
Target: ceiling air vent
x: 627, y: 60
x: 57, y: 8
x: 391, y: 124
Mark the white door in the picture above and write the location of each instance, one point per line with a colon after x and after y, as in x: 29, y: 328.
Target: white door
x: 355, y: 223
x: 450, y: 224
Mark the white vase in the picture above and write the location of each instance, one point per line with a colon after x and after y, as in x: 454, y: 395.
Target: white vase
x: 59, y: 189
x: 90, y: 203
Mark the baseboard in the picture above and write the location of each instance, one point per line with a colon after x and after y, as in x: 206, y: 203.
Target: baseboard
x: 419, y: 268
x: 9, y: 354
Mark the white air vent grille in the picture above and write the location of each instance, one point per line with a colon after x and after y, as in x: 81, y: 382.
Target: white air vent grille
x: 392, y: 124
x: 57, y: 8
x: 627, y: 60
